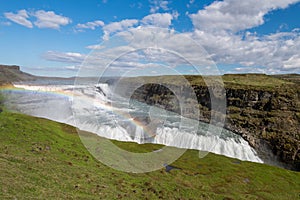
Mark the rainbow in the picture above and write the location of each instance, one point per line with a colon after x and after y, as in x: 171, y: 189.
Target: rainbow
x: 13, y: 88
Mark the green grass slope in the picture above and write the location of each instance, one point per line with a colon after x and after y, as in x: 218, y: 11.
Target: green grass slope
x: 41, y: 159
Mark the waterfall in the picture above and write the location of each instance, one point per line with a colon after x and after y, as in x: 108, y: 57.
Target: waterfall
x: 96, y: 111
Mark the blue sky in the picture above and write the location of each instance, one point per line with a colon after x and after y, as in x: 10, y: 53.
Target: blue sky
x: 53, y: 38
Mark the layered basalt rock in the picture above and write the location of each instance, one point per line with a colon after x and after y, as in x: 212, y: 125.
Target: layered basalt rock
x: 268, y: 117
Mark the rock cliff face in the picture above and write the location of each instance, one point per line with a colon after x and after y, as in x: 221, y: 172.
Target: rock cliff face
x: 267, y: 120
x: 267, y: 116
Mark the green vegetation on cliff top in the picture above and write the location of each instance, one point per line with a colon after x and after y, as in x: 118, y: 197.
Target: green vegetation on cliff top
x: 44, y: 159
x: 239, y: 81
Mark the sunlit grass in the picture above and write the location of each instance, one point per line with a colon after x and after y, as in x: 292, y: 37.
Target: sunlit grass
x: 45, y: 159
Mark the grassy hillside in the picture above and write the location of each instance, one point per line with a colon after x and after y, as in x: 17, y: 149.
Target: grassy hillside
x: 236, y: 81
x: 289, y: 77
x: 44, y: 159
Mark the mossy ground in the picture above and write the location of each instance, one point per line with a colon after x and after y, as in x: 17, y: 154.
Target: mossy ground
x: 41, y: 159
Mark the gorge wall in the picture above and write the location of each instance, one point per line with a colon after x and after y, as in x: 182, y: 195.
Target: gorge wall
x: 266, y: 113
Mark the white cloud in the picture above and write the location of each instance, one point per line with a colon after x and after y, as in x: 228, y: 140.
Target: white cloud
x: 72, y: 67
x: 236, y: 15
x: 292, y: 63
x: 90, y: 25
x: 158, y: 19
x: 137, y: 57
x: 133, y: 65
x: 65, y: 57
x: 48, y: 19
x: 191, y: 2
x: 274, y: 52
x: 96, y: 46
x: 137, y: 5
x: 20, y: 18
x: 44, y: 19
x: 216, y: 28
x: 156, y: 5
x: 118, y: 26
x: 175, y: 14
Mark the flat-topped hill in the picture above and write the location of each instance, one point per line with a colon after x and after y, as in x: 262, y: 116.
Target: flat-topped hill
x: 12, y: 73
